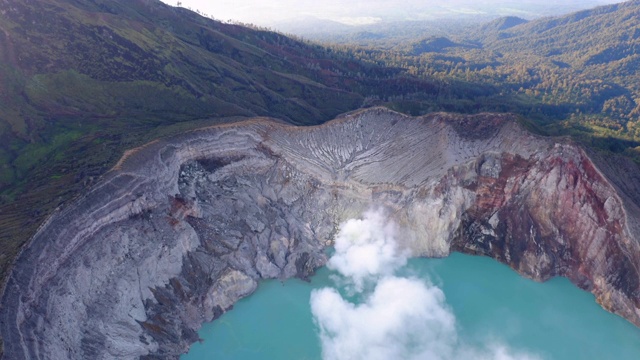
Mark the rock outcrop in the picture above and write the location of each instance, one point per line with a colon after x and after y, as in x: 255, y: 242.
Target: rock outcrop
x: 184, y: 227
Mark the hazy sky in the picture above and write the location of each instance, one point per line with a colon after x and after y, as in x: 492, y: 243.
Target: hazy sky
x: 267, y: 12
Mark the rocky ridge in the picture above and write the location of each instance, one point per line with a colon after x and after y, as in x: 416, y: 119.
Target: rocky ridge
x: 184, y: 227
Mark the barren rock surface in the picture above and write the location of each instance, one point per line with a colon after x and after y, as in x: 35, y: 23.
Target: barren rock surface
x: 184, y: 227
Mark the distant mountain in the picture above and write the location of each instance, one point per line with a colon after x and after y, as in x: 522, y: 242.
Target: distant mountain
x: 603, y: 34
x: 436, y: 44
x: 600, y: 46
x: 502, y: 24
x: 492, y: 30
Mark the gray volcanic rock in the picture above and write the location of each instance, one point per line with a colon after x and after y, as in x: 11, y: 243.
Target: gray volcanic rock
x: 184, y: 227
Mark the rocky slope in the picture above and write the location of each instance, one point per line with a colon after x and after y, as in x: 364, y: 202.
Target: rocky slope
x: 184, y: 227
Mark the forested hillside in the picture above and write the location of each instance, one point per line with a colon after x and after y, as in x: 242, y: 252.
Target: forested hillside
x: 575, y: 75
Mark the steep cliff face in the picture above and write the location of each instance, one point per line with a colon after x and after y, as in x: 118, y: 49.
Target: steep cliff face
x: 184, y: 227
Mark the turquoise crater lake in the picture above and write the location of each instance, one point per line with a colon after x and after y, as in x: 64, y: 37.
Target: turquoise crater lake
x: 491, y: 304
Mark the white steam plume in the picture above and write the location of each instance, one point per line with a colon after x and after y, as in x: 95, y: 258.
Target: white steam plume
x: 366, y: 249
x: 400, y: 318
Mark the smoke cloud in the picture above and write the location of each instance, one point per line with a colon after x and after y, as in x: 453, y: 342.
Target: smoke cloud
x: 394, y: 317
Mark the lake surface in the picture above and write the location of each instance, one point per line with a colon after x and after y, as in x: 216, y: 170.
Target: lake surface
x: 491, y: 303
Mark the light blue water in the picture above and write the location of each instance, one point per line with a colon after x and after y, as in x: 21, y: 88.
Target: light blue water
x: 492, y: 303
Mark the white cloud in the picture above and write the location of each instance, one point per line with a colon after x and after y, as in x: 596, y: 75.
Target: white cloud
x: 399, y: 318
